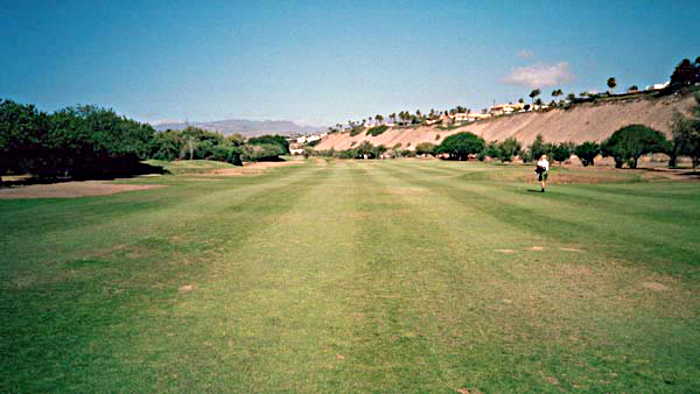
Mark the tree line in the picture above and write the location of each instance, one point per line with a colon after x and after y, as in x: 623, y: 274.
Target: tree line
x: 89, y: 141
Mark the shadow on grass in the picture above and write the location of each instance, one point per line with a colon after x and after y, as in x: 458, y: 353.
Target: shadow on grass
x: 134, y: 171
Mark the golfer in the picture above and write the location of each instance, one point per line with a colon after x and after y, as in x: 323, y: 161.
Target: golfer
x: 542, y: 171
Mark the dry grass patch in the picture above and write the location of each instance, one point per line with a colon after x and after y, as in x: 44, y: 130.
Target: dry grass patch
x: 252, y: 168
x: 72, y: 189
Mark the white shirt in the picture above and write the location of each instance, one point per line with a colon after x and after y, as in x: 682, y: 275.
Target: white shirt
x: 543, y: 163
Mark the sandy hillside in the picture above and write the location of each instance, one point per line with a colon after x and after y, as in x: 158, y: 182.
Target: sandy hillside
x: 584, y: 122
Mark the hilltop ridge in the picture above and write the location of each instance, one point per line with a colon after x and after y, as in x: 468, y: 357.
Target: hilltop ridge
x: 248, y: 128
x: 583, y: 122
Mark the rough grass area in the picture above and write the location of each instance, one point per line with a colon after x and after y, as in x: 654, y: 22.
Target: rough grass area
x: 346, y: 276
x: 190, y: 166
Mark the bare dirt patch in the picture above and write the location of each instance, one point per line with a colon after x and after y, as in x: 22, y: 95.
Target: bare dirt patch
x: 407, y: 191
x: 536, y: 248
x: 656, y: 286
x: 71, y: 190
x: 571, y: 250
x: 505, y: 251
x: 186, y: 288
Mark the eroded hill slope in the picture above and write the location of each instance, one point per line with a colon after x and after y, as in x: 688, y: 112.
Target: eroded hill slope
x: 583, y: 122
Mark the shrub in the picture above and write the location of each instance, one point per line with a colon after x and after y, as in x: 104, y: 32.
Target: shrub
x: 629, y: 143
x: 425, y: 148
x: 459, y: 146
x: 262, y: 152
x: 356, y: 130
x: 491, y: 150
x: 508, y: 149
x: 587, y: 152
x: 228, y: 153
x: 271, y: 139
x: 377, y: 130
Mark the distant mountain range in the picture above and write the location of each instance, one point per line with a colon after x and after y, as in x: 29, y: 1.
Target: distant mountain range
x: 248, y: 128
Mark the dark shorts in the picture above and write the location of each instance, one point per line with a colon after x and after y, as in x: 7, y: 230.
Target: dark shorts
x: 542, y: 176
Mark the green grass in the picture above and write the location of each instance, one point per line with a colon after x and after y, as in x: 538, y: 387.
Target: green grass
x: 342, y: 276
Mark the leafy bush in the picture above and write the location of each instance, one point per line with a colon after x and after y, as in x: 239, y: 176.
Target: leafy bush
x: 629, y: 143
x: 587, y: 152
x: 228, y: 153
x: 425, y: 148
x: 491, y: 150
x: 377, y: 130
x: 509, y: 149
x: 459, y: 146
x: 262, y: 152
x: 356, y: 130
x: 271, y: 139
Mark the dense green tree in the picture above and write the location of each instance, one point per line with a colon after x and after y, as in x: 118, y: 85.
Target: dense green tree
x: 686, y: 135
x: 684, y: 74
x: 629, y: 143
x: 508, y: 149
x: 538, y: 148
x: 272, y: 139
x: 490, y: 150
x: 23, y: 135
x: 612, y: 83
x: 91, y: 141
x: 562, y: 151
x: 459, y: 146
x: 534, y: 93
x: 587, y: 152
x: 167, y: 145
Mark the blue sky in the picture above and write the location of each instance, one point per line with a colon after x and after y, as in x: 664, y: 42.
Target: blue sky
x: 322, y: 62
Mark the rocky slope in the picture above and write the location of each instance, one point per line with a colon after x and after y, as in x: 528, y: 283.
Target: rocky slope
x: 583, y: 122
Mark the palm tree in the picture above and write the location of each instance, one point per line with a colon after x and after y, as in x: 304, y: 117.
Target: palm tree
x: 612, y: 83
x: 533, y: 94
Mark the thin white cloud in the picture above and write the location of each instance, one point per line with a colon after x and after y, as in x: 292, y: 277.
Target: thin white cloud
x: 525, y: 54
x: 540, y: 75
